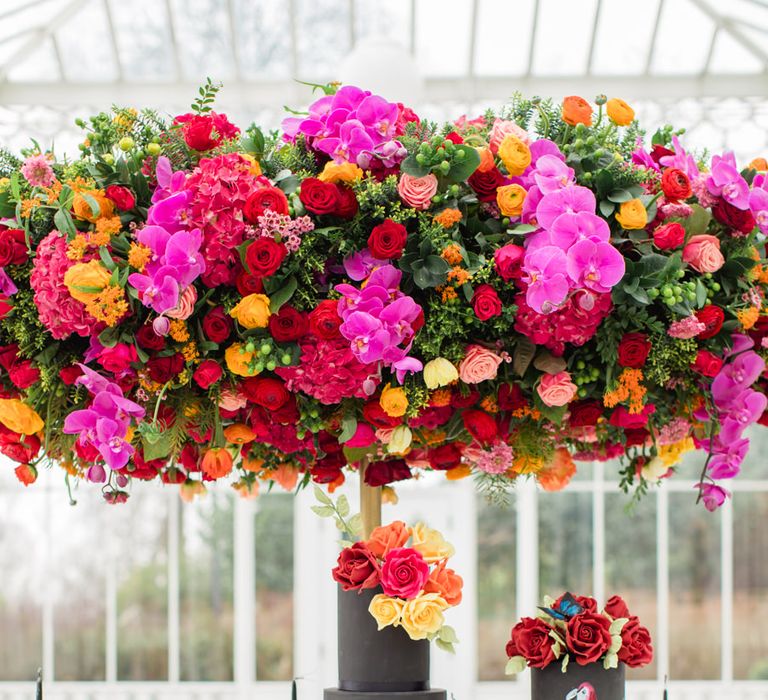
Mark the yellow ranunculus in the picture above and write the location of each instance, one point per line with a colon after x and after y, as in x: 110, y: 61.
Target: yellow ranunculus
x: 430, y: 543
x: 439, y: 372
x: 85, y: 280
x: 239, y: 362
x: 17, y: 416
x: 252, y: 311
x: 400, y: 441
x: 423, y: 616
x: 515, y: 154
x: 340, y: 172
x: 632, y: 215
x: 82, y: 210
x: 255, y: 168
x: 386, y: 611
x: 394, y: 401
x: 510, y: 199
x: 619, y: 112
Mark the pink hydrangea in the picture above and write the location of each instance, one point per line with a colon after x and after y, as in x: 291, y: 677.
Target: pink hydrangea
x: 329, y: 372
x: 496, y: 459
x: 58, y: 311
x: 676, y: 430
x: 37, y: 171
x: 688, y: 327
x: 699, y: 188
x: 284, y: 229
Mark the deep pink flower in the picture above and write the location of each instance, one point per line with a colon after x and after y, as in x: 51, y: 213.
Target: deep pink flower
x: 547, y: 285
x: 595, y: 265
x: 570, y: 199
x: 725, y: 181
x: 404, y: 573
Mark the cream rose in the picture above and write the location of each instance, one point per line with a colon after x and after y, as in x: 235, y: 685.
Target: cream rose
x: 386, y: 611
x: 430, y: 543
x: 703, y: 254
x: 423, y: 616
x: 478, y: 365
x: 417, y: 192
x: 556, y: 389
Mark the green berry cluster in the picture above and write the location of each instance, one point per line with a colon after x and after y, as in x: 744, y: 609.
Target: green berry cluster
x: 266, y: 354
x: 583, y: 375
x: 439, y: 153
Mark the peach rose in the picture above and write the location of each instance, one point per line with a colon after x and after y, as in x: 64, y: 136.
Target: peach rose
x: 417, y: 192
x: 186, y: 304
x: 232, y: 400
x: 556, y: 389
x: 502, y: 128
x: 703, y: 254
x: 446, y: 583
x: 387, y: 537
x: 478, y: 365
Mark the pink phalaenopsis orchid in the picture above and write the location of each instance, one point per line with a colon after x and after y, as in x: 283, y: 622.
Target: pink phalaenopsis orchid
x: 725, y: 181
x: 595, y: 265
x: 569, y: 199
x: 547, y: 285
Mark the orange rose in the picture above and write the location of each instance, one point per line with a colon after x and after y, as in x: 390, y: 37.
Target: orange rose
x: 486, y: 160
x: 557, y: 474
x: 387, y: 537
x: 576, y: 110
x: 446, y: 583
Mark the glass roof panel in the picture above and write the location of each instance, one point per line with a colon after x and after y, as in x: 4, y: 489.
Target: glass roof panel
x: 674, y: 54
x: 87, y: 61
x: 386, y: 21
x: 511, y: 58
x: 38, y: 66
x: 322, y: 36
x: 146, y: 54
x: 732, y: 57
x: 563, y: 37
x: 443, y: 37
x: 263, y: 34
x: 622, y: 52
x: 204, y: 39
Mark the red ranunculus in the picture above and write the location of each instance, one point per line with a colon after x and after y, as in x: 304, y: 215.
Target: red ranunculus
x: 204, y: 132
x: 636, y: 648
x: 23, y: 375
x: 248, y: 284
x: 616, y: 607
x: 584, y: 414
x: 675, y: 184
x: 319, y: 197
x: 8, y: 355
x: 357, y: 568
x: 324, y: 321
x: 387, y: 240
x: 531, y: 639
x: 444, y: 457
x: 387, y: 472
x: 588, y: 637
x: 633, y: 350
x: 480, y: 425
x: 13, y: 247
x: 377, y: 417
x: 163, y: 369
x: 217, y: 326
x: 264, y: 256
x: 5, y: 306
x: 707, y: 363
x: 19, y: 448
x: 347, y: 202
x: 669, y: 236
x: 26, y: 474
x: 207, y: 373
x: 288, y: 324
x: 508, y: 260
x: 69, y: 374
x: 486, y: 183
x: 741, y: 220
x: 266, y: 392
x: 262, y: 199
x: 486, y: 302
x: 122, y: 197
x: 453, y: 137
x: 712, y: 317
x: 118, y: 358
x: 464, y: 400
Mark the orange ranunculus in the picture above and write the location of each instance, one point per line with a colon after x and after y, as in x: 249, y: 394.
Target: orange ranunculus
x: 217, y: 462
x: 239, y: 434
x: 252, y: 311
x: 246, y: 489
x: 486, y: 160
x: 619, y: 112
x: 446, y: 583
x: 460, y: 472
x: 26, y: 474
x: 632, y: 215
x: 760, y: 164
x: 389, y: 496
x: 252, y: 464
x: 82, y: 209
x: 394, y: 401
x: 576, y: 110
x: 340, y: 172
x: 557, y: 474
x: 239, y: 362
x: 515, y: 154
x: 189, y: 489
x: 20, y: 418
x: 510, y: 199
x: 255, y: 166
x: 287, y: 475
x: 388, y: 537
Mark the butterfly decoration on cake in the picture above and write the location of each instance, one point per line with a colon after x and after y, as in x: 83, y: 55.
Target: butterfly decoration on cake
x: 564, y: 609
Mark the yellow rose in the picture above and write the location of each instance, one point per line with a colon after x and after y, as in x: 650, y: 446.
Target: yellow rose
x: 82, y: 209
x: 239, y: 362
x: 400, y: 441
x: 619, y: 112
x: 85, y: 280
x: 439, y: 372
x: 430, y: 543
x: 423, y: 616
x: 515, y: 154
x: 340, y: 172
x: 20, y: 418
x: 252, y: 311
x: 632, y: 215
x: 394, y: 401
x: 386, y: 611
x: 510, y: 199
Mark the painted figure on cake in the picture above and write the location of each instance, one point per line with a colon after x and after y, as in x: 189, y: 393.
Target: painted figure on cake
x: 584, y: 692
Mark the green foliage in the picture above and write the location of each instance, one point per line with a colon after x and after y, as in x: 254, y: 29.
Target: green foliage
x: 669, y: 356
x: 206, y: 97
x: 446, y: 330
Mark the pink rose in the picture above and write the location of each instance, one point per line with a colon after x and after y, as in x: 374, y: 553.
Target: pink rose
x: 404, y: 573
x: 186, y: 304
x: 417, y: 192
x: 502, y: 128
x: 478, y: 365
x: 118, y: 358
x: 703, y: 254
x: 557, y: 389
x: 508, y: 260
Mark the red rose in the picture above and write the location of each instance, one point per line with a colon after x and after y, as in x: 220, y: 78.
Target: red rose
x: 377, y: 417
x: 357, y: 568
x: 712, y: 317
x: 118, y: 358
x: 122, y: 197
x: 163, y: 369
x: 13, y: 247
x: 248, y: 284
x: 587, y: 602
x: 636, y: 648
x: 262, y: 199
x: 622, y: 418
x: 324, y: 321
x: 588, y: 637
x: 319, y: 197
x: 480, y: 425
x: 383, y: 473
x: 740, y: 220
x: 675, y: 184
x: 264, y: 256
x: 486, y: 183
x: 633, y: 350
x: 531, y: 639
x: 508, y: 260
x: 453, y: 137
x: 5, y: 306
x: 347, y: 202
x: 707, y: 364
x: 23, y: 375
x: 669, y: 236
x: 461, y: 400
x: 288, y: 324
x: 584, y: 413
x: 486, y: 302
x: 8, y: 355
x: 202, y: 133
x: 22, y: 449
x: 266, y: 392
x: 207, y: 373
x: 616, y: 607
x: 68, y: 375
x: 387, y: 240
x: 217, y: 326
x: 444, y: 457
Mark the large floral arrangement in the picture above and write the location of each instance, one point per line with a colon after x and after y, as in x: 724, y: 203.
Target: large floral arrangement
x: 499, y: 296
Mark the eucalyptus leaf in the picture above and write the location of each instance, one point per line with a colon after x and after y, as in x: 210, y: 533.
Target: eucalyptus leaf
x: 348, y: 428
x: 606, y: 208
x: 322, y: 496
x: 342, y: 506
x: 515, y: 665
x: 323, y: 511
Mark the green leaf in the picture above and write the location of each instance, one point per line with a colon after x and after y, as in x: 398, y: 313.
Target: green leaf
x: 462, y: 169
x: 698, y: 221
x: 515, y: 665
x: 617, y: 625
x: 348, y: 428
x: 524, y: 352
x: 342, y: 505
x: 322, y: 496
x: 7, y: 208
x: 158, y: 449
x: 606, y: 208
x: 619, y: 196
x: 63, y: 222
x: 701, y: 294
x: 522, y: 228
x: 92, y: 203
x: 445, y: 646
x: 411, y: 167
x: 106, y: 258
x: 436, y: 265
x: 282, y: 295
x: 323, y: 511
x: 355, y: 524
x: 448, y: 634
x: 639, y: 295
x: 564, y: 665
x: 611, y: 660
